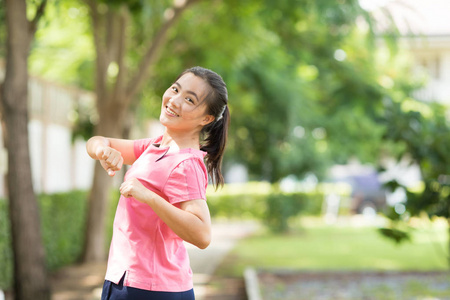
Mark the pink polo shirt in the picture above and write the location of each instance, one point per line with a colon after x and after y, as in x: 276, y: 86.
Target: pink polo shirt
x: 143, y: 247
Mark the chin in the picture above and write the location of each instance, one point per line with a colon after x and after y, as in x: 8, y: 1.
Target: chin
x: 163, y: 120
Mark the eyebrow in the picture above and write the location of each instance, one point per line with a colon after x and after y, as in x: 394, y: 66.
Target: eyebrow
x: 189, y: 92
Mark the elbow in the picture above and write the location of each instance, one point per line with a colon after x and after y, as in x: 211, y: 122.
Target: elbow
x: 203, y: 246
x: 204, y: 241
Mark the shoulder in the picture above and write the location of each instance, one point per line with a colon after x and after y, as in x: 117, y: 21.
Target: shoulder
x: 188, y: 164
x: 187, y: 180
x: 190, y: 157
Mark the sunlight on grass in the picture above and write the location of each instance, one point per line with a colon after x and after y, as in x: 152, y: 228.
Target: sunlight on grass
x: 315, y: 246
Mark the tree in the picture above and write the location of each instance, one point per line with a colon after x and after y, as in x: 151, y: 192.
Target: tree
x: 30, y: 275
x: 423, y: 130
x: 116, y: 87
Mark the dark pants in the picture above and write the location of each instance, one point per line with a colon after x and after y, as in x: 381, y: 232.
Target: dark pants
x: 112, y: 291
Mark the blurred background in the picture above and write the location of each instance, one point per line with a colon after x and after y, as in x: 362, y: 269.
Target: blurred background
x: 340, y: 126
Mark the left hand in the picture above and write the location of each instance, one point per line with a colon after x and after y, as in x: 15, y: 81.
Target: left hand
x: 134, y: 188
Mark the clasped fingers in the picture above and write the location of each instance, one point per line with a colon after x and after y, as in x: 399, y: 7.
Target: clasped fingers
x: 134, y: 188
x: 111, y: 160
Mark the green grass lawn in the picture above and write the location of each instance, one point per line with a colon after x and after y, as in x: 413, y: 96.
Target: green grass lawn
x: 313, y: 245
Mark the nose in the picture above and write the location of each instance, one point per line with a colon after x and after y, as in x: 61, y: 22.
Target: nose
x: 175, y: 100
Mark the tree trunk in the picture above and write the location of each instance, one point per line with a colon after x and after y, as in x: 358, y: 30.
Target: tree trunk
x: 30, y: 275
x: 98, y: 204
x: 95, y: 240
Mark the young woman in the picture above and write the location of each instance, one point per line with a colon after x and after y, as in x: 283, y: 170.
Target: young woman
x: 163, y: 198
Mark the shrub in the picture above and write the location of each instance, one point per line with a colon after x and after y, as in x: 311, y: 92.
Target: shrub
x: 63, y: 218
x: 62, y: 224
x: 6, y: 256
x: 265, y: 202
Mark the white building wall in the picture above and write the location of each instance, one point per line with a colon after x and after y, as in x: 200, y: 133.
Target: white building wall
x: 434, y: 60
x: 57, y: 164
x: 58, y: 159
x: 445, y: 71
x: 82, y: 168
x: 35, y: 133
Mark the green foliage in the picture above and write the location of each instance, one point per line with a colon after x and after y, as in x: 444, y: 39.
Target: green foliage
x: 264, y: 202
x: 83, y: 128
x: 237, y: 205
x: 63, y: 218
x: 278, y: 59
x: 63, y: 221
x: 280, y: 208
x: 63, y: 49
x: 397, y: 228
x: 395, y: 234
x: 6, y: 255
x: 424, y: 130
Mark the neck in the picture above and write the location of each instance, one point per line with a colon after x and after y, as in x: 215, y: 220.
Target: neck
x: 180, y: 140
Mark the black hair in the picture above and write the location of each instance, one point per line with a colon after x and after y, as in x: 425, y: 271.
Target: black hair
x: 214, y: 134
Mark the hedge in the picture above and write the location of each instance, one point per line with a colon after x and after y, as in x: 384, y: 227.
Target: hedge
x: 268, y: 203
x: 6, y: 257
x: 62, y: 224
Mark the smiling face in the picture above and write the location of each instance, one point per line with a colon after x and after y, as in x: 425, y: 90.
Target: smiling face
x: 183, y: 107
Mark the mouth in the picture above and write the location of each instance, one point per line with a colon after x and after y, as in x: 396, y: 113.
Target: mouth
x: 170, y: 112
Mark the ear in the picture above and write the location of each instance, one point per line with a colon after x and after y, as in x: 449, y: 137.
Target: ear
x: 207, y: 119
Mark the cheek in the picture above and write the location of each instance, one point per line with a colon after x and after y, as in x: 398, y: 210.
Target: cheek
x: 165, y: 99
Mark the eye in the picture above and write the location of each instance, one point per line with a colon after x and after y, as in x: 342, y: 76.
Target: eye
x: 190, y: 100
x: 175, y: 89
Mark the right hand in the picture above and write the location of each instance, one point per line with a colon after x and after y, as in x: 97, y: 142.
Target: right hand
x: 110, y: 159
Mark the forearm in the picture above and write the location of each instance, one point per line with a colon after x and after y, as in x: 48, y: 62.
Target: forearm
x: 188, y: 225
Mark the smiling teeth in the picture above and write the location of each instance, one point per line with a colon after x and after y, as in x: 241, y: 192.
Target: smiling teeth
x: 171, y: 112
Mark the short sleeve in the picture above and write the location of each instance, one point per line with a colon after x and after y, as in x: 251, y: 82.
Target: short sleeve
x: 188, y: 181
x: 141, y: 145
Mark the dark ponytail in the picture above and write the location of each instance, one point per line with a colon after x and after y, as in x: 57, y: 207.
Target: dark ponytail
x: 214, y: 144
x: 214, y: 135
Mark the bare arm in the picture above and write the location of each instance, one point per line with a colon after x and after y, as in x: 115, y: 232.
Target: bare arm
x: 112, y: 153
x: 191, y: 221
